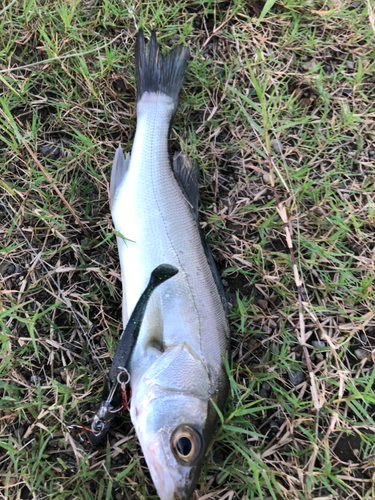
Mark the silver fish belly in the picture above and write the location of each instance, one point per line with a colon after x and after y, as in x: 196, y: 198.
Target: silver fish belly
x: 177, y: 364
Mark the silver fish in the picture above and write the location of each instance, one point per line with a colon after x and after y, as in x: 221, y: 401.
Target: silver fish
x: 177, y: 369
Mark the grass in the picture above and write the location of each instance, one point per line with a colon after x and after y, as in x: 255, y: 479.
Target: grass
x: 299, y: 84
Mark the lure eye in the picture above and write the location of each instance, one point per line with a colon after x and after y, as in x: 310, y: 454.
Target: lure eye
x: 186, y: 444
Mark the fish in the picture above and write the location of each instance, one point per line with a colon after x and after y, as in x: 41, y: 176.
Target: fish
x: 177, y: 367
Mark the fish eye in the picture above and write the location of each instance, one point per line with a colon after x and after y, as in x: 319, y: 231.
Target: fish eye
x: 186, y: 444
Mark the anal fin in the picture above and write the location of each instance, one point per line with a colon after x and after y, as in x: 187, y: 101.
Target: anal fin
x: 119, y: 168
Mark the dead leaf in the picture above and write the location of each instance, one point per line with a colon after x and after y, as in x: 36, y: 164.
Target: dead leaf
x: 322, y: 13
x: 310, y: 65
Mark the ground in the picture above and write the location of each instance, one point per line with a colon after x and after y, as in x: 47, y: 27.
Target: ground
x: 278, y: 109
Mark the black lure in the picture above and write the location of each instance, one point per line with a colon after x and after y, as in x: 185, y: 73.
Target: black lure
x: 112, y: 402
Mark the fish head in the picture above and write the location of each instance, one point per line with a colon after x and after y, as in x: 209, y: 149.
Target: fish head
x: 174, y: 420
x: 173, y: 446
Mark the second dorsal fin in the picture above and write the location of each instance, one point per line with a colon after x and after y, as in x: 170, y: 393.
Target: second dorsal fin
x: 187, y: 174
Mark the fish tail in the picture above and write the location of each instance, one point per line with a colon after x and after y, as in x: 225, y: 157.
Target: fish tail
x: 156, y: 73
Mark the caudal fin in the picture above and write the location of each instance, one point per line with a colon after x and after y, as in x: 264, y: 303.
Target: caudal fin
x: 156, y: 73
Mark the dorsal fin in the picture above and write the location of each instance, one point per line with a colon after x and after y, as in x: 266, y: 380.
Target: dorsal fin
x: 187, y: 176
x: 215, y: 272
